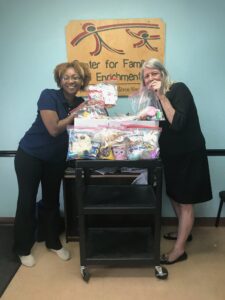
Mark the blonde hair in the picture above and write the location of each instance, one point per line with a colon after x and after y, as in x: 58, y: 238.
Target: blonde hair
x: 156, y: 64
x: 81, y: 68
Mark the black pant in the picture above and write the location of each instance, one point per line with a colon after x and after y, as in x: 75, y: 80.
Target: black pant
x: 30, y: 173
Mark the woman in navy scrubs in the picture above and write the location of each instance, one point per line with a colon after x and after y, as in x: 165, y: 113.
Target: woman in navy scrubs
x: 41, y: 159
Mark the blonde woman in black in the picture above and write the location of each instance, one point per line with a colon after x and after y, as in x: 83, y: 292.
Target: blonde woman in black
x: 183, y: 153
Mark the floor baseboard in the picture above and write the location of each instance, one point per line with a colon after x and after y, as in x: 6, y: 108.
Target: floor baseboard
x: 6, y: 221
x: 204, y: 221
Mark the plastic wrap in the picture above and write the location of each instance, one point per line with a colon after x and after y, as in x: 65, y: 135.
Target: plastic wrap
x: 114, y: 141
x: 145, y: 103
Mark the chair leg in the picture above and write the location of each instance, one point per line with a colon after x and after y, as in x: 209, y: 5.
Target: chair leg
x: 219, y: 212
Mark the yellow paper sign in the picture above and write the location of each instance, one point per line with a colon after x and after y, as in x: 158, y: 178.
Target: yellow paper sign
x: 116, y: 49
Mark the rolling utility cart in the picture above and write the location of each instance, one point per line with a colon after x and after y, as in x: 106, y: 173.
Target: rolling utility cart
x: 119, y: 224
x: 69, y: 194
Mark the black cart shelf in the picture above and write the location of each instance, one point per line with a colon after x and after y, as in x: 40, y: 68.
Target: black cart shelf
x: 119, y: 225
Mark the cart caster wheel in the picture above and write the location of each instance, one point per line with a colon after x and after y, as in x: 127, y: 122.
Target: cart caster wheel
x: 85, y: 274
x: 161, y: 272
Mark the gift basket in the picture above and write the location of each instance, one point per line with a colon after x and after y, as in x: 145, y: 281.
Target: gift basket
x: 95, y: 135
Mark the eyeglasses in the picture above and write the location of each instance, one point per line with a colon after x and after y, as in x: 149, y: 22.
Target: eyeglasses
x: 73, y: 78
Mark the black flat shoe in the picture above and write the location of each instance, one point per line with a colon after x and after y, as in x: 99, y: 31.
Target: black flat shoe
x: 164, y: 259
x: 170, y: 236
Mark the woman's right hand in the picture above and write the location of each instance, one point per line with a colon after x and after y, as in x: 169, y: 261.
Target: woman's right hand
x: 76, y: 109
x: 149, y: 111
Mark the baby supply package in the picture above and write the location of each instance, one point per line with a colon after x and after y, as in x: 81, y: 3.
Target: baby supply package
x: 113, y: 140
x: 99, y: 97
x: 145, y: 103
x: 96, y: 135
x: 105, y: 92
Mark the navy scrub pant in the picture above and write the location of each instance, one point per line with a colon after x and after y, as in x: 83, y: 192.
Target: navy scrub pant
x: 30, y: 173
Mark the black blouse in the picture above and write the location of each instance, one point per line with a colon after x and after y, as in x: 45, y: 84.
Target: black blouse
x: 184, y: 134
